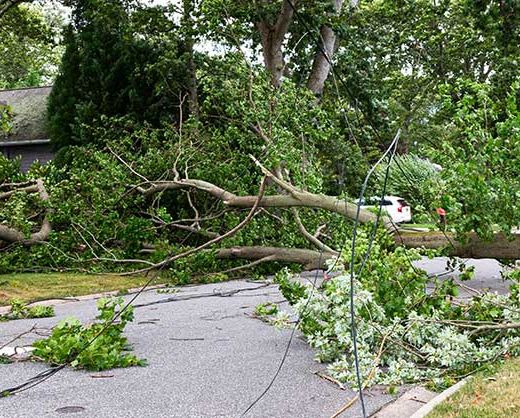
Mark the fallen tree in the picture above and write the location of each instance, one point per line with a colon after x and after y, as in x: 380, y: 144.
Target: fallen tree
x: 309, y: 259
x: 472, y: 246
x: 12, y: 235
x: 501, y: 246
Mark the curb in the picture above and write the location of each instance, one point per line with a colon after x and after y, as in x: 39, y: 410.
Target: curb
x: 428, y: 407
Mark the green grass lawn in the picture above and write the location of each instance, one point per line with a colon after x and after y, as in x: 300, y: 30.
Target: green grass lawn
x: 486, y: 396
x: 30, y: 287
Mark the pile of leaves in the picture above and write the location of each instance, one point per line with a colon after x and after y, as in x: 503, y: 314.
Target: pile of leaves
x: 98, y: 346
x: 405, y: 333
x: 20, y: 310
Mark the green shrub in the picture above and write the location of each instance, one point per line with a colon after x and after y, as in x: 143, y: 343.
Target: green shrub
x: 20, y: 310
x: 98, y: 346
x: 413, y: 178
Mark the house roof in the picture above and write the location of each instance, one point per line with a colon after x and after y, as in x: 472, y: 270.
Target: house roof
x: 29, y: 108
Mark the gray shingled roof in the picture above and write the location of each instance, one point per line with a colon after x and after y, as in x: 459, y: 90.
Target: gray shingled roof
x: 29, y: 107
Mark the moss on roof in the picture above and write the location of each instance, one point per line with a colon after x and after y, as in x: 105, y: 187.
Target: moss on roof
x: 29, y: 108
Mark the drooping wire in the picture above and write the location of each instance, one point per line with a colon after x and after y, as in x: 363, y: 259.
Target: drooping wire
x: 288, y: 346
x: 335, y: 73
x: 48, y: 373
x: 392, y: 148
x: 356, y: 222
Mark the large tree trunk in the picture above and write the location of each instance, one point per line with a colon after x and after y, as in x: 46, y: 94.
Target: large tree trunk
x: 500, y: 246
x: 272, y: 41
x: 294, y: 198
x: 310, y: 259
x: 321, y: 66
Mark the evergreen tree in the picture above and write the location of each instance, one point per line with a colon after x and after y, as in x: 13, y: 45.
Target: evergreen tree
x: 112, y: 67
x: 63, y: 98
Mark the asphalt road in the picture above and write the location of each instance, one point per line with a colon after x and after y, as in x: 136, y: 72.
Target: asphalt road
x: 487, y: 276
x: 207, y: 357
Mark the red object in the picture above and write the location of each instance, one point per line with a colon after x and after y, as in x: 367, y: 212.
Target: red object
x: 402, y: 204
x: 441, y: 212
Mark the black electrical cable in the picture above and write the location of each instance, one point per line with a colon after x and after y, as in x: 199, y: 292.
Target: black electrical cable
x: 393, y: 148
x: 363, y: 189
x: 380, y: 207
x: 46, y: 374
x: 286, y: 353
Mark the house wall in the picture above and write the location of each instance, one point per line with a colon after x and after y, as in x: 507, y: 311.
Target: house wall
x: 29, y: 154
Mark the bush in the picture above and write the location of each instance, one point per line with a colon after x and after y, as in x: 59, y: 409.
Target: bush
x: 413, y: 178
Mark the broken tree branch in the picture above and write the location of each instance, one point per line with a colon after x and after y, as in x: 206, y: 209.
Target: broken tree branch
x: 311, y: 238
x: 294, y: 198
x: 310, y: 259
x: 216, y: 240
x: 13, y: 235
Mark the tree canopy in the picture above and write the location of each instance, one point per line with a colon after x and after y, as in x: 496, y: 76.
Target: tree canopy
x: 162, y: 112
x: 29, y: 45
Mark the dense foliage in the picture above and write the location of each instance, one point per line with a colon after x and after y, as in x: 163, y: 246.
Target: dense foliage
x: 404, y: 333
x: 30, y: 50
x: 120, y: 60
x: 148, y: 96
x: 120, y: 105
x: 415, y: 179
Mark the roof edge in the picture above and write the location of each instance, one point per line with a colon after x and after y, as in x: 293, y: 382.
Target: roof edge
x: 27, y: 88
x: 24, y: 142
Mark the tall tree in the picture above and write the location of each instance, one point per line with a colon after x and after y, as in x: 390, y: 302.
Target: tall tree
x: 112, y: 67
x: 29, y: 45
